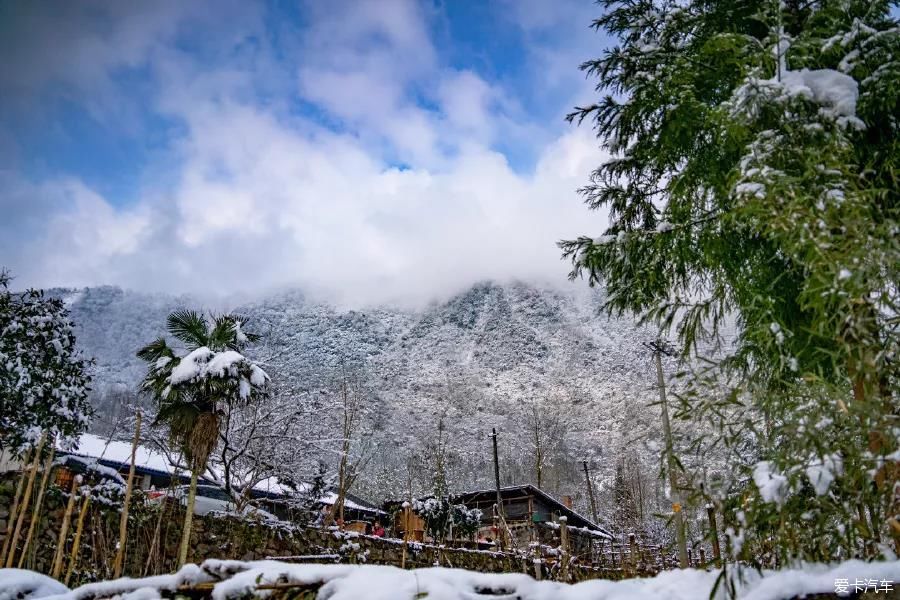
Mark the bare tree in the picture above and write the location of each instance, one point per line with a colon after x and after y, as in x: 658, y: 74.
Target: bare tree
x: 544, y: 430
x: 259, y: 442
x: 354, y: 452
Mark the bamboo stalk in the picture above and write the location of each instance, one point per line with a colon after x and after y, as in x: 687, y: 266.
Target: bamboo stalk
x: 26, y: 500
x: 76, y: 543
x: 36, y: 512
x: 123, y: 520
x: 14, y: 511
x: 64, y: 530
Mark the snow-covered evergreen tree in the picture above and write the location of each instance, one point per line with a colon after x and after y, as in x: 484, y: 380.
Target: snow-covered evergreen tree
x: 43, y: 379
x: 754, y: 177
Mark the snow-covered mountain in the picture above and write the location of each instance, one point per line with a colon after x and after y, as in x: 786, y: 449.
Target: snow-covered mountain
x: 475, y: 361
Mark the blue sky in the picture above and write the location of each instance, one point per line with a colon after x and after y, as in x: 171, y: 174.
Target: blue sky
x: 371, y: 150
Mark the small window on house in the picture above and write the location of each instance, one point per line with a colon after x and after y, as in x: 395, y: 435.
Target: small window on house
x: 64, y: 478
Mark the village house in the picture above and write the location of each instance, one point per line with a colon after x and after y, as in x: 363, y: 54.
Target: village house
x: 531, y: 516
x: 108, y: 459
x: 103, y: 459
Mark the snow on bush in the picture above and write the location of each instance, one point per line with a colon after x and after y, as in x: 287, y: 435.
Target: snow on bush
x: 43, y: 378
x: 822, y: 471
x: 772, y: 485
x: 202, y: 363
x: 440, y: 515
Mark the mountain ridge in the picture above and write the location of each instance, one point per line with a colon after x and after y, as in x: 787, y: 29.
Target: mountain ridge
x: 473, y: 362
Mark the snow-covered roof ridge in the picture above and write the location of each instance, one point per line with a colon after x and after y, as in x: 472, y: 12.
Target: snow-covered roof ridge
x: 273, y: 486
x: 96, y: 447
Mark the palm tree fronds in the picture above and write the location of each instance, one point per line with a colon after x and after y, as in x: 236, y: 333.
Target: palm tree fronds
x: 189, y: 326
x: 155, y: 350
x: 223, y: 334
x: 227, y: 332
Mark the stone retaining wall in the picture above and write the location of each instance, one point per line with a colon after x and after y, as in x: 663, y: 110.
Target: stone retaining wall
x: 233, y: 538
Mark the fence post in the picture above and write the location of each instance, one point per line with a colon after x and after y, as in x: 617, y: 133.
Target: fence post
x: 564, y: 548
x: 702, y: 558
x: 14, y: 510
x: 76, y: 544
x: 64, y: 530
x: 714, y: 533
x: 690, y: 558
x: 123, y: 519
x: 26, y: 501
x: 406, y: 511
x: 632, y: 549
x: 36, y: 512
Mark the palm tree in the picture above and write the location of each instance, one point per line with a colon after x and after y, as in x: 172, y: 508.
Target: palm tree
x: 191, y: 389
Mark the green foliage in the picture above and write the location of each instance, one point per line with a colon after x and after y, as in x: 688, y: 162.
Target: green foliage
x: 440, y: 515
x: 44, y: 381
x: 753, y: 185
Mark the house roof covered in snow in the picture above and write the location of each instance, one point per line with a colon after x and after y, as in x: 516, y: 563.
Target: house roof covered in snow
x: 273, y: 487
x: 575, y: 518
x: 117, y: 454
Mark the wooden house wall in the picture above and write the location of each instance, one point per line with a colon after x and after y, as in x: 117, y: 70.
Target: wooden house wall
x: 521, y: 508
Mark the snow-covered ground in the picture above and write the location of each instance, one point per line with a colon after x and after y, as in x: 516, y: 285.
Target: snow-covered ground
x: 19, y: 583
x: 351, y: 582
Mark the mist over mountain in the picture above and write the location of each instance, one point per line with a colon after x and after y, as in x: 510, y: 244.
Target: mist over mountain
x: 479, y: 360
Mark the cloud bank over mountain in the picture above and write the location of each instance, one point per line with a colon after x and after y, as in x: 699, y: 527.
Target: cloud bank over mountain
x: 371, y: 152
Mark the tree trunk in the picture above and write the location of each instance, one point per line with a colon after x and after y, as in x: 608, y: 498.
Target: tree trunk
x: 123, y: 520
x: 26, y: 500
x: 671, y: 467
x: 188, y: 518
x: 590, y: 489
x: 76, y: 543
x: 36, y: 513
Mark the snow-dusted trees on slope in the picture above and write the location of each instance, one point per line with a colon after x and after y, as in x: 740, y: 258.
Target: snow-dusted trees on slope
x: 43, y: 379
x: 193, y: 390
x: 754, y: 176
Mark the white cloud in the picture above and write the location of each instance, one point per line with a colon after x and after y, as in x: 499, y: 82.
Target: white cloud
x: 284, y: 210
x: 469, y: 103
x: 260, y: 197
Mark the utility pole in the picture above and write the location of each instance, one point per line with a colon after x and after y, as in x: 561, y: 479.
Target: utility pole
x: 497, y: 470
x: 497, y: 481
x: 659, y: 347
x: 590, y: 487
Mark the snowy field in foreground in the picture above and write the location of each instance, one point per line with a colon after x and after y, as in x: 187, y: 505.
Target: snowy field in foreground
x: 348, y: 582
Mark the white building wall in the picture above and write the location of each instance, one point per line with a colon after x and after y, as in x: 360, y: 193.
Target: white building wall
x: 9, y: 462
